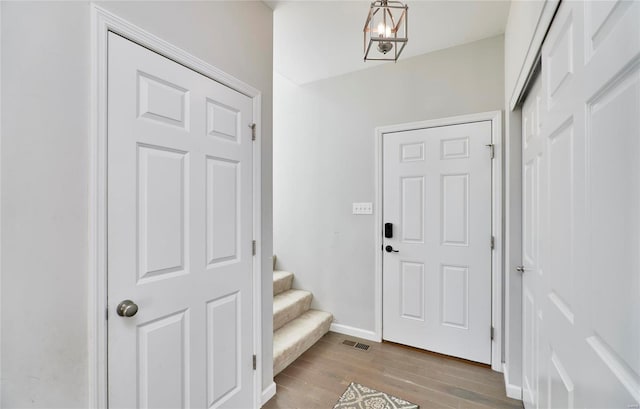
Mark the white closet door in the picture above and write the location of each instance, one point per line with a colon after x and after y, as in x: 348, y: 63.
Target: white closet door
x: 180, y: 232
x: 582, y: 330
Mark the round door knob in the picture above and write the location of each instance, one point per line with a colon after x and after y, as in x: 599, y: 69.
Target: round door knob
x: 520, y: 269
x: 127, y: 308
x: 390, y: 249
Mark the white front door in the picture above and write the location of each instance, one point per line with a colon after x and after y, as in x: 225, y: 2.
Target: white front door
x: 437, y: 264
x: 581, y: 230
x: 179, y: 235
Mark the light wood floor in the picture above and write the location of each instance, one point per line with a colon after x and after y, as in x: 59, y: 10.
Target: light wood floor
x: 320, y: 376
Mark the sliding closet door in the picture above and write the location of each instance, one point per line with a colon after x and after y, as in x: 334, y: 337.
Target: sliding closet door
x: 581, y: 218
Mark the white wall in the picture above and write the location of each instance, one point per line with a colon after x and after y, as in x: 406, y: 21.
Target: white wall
x: 324, y: 161
x: 45, y: 77
x: 45, y: 132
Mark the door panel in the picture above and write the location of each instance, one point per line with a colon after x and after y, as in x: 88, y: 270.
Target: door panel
x: 455, y: 296
x: 223, y: 355
x: 179, y: 235
x: 412, y: 290
x: 412, y: 197
x: 162, y: 343
x: 223, y: 225
x: 437, y: 193
x: 162, y: 202
x: 454, y: 223
x: 584, y: 285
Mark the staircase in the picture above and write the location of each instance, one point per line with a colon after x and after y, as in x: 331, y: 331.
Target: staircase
x: 295, y: 327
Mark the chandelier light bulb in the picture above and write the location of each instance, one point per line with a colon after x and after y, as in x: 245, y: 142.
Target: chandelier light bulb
x: 384, y: 30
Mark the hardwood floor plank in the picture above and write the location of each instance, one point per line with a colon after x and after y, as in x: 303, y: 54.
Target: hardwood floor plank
x: 319, y: 377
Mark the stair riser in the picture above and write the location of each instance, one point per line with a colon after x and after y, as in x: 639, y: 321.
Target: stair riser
x: 282, y: 285
x: 306, y: 341
x: 291, y: 312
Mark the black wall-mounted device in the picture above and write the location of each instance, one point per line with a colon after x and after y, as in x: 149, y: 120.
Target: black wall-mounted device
x: 388, y: 230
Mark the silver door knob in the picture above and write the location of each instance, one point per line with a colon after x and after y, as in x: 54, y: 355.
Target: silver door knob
x: 520, y: 269
x: 127, y: 308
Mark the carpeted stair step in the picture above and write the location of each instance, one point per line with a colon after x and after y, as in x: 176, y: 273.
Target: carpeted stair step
x: 289, y: 305
x: 298, y: 335
x: 282, y: 281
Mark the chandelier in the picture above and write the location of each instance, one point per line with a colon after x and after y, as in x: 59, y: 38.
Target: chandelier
x: 386, y: 26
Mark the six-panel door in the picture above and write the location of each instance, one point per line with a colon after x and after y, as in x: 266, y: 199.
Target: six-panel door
x: 437, y: 194
x: 179, y: 235
x: 581, y: 230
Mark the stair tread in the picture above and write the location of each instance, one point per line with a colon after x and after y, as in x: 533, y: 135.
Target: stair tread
x: 287, y: 298
x: 279, y: 274
x: 298, y: 335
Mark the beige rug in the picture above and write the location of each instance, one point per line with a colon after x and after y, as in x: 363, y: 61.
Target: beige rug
x: 360, y: 397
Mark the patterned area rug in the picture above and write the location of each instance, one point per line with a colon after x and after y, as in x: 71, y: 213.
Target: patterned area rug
x: 360, y: 397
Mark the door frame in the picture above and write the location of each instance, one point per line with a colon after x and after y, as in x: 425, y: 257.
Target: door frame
x: 103, y: 22
x: 497, y: 224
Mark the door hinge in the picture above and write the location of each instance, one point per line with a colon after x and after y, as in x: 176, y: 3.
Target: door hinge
x: 492, y: 330
x: 253, y: 247
x: 493, y: 243
x: 255, y: 362
x: 253, y: 131
x: 106, y: 313
x: 492, y: 150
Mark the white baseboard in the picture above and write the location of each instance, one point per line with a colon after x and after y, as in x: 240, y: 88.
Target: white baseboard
x: 268, y: 393
x: 513, y: 391
x: 354, y: 332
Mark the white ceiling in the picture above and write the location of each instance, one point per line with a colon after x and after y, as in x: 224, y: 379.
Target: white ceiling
x: 313, y: 40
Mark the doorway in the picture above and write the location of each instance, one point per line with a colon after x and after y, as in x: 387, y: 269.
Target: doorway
x: 190, y: 132
x: 179, y: 235
x: 439, y: 236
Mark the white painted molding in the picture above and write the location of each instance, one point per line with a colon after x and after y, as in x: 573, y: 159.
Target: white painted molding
x: 497, y: 228
x: 512, y: 239
x: 533, y: 52
x: 378, y: 231
x: 513, y: 391
x: 497, y: 220
x: 257, y: 258
x: 103, y: 22
x: 268, y: 393
x: 355, y: 332
x: 0, y: 198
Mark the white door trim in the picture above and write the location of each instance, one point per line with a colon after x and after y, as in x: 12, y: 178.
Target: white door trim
x: 103, y: 22
x: 533, y: 52
x: 0, y: 195
x: 496, y: 223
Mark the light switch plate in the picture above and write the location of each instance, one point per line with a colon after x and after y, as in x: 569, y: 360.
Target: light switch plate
x: 363, y: 208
